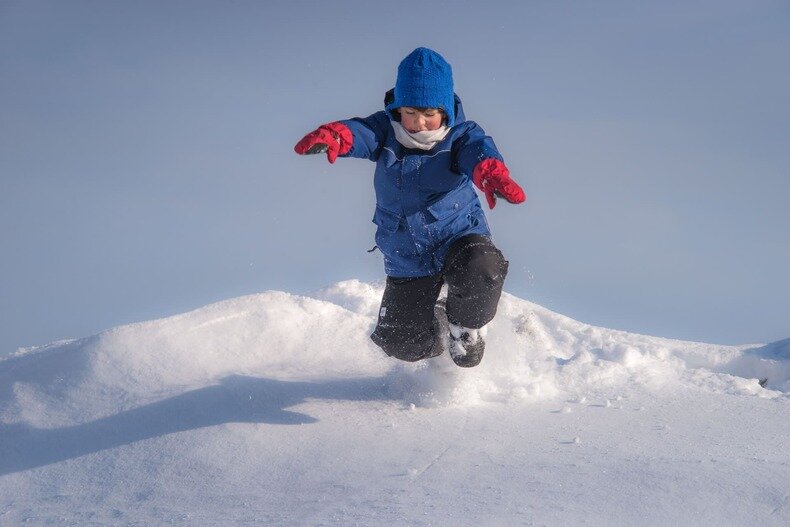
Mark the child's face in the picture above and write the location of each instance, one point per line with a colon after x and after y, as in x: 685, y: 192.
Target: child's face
x: 420, y: 120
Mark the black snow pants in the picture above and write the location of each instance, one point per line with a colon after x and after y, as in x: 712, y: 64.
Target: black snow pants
x: 474, y: 271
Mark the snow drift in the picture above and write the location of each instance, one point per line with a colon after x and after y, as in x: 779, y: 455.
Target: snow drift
x: 279, y: 359
x: 532, y: 353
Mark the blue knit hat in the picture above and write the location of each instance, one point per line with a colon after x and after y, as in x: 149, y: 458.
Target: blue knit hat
x: 425, y: 80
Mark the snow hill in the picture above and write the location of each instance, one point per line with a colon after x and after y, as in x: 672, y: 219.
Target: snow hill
x: 276, y: 409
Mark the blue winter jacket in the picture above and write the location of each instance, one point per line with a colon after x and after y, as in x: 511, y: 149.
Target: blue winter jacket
x: 425, y: 200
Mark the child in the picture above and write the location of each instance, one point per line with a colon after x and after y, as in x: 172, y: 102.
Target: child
x: 431, y: 227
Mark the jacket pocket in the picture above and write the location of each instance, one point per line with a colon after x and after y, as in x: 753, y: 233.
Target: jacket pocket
x: 453, y: 202
x: 387, y: 220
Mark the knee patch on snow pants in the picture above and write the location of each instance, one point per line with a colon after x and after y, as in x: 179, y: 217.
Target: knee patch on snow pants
x: 474, y: 271
x: 406, y: 328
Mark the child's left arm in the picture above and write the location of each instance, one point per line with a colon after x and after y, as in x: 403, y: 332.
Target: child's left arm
x: 477, y: 155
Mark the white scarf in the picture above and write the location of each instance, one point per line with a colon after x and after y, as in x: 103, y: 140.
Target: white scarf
x: 422, y: 140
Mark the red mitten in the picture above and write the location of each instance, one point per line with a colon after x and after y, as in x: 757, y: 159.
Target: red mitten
x: 493, y: 178
x: 333, y: 138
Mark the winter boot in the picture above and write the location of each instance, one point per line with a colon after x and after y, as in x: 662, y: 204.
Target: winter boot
x: 466, y: 345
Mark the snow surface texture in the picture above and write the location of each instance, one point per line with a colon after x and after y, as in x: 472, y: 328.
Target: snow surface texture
x: 277, y: 409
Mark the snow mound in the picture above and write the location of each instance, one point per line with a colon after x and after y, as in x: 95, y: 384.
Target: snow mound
x: 208, y: 412
x: 532, y: 353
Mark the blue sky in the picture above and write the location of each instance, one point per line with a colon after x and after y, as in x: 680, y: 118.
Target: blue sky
x: 146, y: 163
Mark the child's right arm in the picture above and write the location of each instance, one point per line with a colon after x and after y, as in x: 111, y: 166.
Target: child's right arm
x: 355, y: 137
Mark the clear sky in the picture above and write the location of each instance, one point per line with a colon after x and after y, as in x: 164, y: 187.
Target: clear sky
x: 146, y: 162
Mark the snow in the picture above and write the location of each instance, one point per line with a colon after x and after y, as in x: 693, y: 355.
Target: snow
x: 276, y: 409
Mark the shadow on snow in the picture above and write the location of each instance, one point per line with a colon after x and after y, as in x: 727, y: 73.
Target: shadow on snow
x: 236, y: 399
